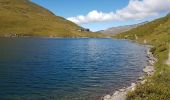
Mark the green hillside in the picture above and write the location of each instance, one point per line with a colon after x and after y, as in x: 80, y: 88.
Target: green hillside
x: 24, y: 18
x: 157, y: 34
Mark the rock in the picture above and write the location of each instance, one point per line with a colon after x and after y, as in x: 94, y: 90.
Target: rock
x: 119, y: 96
x: 141, y: 78
x: 133, y: 84
x: 128, y: 89
x: 116, y: 93
x: 107, y: 97
x: 148, y: 69
x: 151, y: 62
x: 143, y: 82
x: 121, y: 90
x: 133, y: 88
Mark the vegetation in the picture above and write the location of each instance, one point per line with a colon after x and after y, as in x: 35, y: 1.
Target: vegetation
x: 24, y: 18
x: 157, y: 34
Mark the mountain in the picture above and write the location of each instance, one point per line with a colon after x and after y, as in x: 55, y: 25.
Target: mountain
x: 120, y: 29
x: 157, y: 34
x: 157, y: 30
x: 25, y: 18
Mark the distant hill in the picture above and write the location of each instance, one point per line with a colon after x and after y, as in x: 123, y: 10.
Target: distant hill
x: 157, y: 30
x: 24, y: 18
x: 120, y: 29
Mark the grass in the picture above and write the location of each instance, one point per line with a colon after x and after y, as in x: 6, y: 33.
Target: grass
x: 157, y: 34
x: 25, y: 18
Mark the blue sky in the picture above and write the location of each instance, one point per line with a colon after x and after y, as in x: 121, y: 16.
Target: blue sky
x: 102, y: 14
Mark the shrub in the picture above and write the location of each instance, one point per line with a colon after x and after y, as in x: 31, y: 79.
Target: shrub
x: 162, y: 48
x: 153, y: 49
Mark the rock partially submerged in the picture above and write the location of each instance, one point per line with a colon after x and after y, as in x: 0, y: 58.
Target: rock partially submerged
x: 148, y: 70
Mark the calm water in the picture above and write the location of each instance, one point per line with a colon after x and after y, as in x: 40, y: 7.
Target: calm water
x: 67, y: 69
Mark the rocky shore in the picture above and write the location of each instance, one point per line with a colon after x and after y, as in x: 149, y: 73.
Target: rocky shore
x: 148, y: 71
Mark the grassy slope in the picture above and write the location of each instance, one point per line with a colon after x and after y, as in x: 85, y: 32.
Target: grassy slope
x: 156, y: 33
x: 26, y: 18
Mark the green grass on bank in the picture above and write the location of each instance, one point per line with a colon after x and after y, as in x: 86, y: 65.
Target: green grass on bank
x: 157, y: 34
x: 24, y: 18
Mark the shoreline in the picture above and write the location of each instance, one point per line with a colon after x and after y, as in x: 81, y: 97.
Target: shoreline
x: 148, y: 71
x: 60, y: 37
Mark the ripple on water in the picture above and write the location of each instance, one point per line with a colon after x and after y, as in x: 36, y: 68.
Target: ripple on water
x: 62, y: 69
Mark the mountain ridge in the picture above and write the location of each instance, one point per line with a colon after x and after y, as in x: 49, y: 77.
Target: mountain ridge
x: 120, y: 29
x: 25, y: 18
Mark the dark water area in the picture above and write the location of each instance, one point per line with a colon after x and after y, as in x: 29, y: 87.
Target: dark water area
x: 67, y: 69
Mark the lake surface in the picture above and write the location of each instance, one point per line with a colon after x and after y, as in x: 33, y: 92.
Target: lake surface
x: 67, y: 69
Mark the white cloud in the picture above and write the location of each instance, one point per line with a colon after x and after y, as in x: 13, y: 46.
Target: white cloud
x: 135, y: 10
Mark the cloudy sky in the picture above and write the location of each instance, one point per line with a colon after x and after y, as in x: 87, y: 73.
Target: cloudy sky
x: 102, y: 14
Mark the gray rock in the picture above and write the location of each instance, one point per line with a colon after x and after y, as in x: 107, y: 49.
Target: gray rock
x: 107, y: 97
x: 143, y: 82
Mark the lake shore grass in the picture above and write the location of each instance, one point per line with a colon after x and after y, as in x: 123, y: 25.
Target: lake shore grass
x: 157, y: 34
x: 152, y: 86
x: 157, y: 87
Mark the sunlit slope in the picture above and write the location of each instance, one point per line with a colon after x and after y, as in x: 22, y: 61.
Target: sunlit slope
x: 25, y: 18
x: 156, y: 33
x: 152, y: 32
